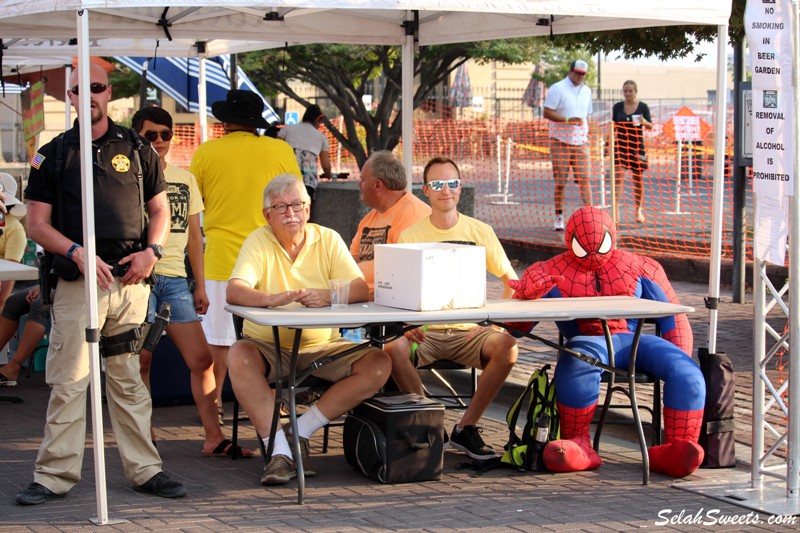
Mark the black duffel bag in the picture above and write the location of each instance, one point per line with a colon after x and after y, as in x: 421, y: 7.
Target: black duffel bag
x: 396, y: 438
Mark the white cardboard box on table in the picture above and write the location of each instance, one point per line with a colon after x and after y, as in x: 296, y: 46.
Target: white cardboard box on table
x: 430, y: 276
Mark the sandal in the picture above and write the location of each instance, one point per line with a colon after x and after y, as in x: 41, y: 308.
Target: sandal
x: 5, y: 382
x: 226, y: 449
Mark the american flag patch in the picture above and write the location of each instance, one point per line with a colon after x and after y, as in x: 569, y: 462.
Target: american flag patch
x: 37, y: 160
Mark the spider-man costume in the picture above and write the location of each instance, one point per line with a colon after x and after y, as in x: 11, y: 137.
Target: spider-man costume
x: 594, y: 267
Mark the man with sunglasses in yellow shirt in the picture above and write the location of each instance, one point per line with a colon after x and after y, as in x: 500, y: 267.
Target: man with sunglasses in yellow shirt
x: 492, y: 350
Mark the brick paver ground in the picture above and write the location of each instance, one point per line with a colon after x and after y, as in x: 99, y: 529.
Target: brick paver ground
x: 225, y: 495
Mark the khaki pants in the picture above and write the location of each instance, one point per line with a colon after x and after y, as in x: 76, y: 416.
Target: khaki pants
x: 58, y: 465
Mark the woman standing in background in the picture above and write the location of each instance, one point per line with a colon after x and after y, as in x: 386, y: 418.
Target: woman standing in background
x: 629, y: 117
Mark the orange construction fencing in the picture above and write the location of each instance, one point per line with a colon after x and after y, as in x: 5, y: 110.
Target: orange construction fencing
x: 510, y: 164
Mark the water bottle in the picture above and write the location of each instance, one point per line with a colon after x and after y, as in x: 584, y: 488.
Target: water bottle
x: 355, y: 335
x: 540, y: 439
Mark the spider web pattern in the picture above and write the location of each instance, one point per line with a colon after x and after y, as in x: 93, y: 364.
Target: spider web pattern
x: 682, y: 425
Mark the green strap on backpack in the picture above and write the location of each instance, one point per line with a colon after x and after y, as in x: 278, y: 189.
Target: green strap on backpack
x: 539, y: 397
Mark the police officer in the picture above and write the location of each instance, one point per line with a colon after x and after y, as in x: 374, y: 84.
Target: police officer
x: 55, y: 222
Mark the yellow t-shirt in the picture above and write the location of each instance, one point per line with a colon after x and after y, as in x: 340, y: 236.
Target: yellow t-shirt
x: 13, y: 240
x: 466, y: 231
x: 231, y: 173
x: 184, y: 201
x: 264, y: 265
x: 384, y: 228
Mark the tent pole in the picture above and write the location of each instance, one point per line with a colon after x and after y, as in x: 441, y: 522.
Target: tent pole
x: 793, y: 452
x: 67, y: 107
x: 90, y: 275
x: 202, y: 98
x: 719, y: 185
x: 407, y: 107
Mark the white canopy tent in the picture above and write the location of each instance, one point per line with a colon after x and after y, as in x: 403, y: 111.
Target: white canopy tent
x: 406, y: 23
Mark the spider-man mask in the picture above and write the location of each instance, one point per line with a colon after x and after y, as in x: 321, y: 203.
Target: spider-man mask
x: 591, y: 236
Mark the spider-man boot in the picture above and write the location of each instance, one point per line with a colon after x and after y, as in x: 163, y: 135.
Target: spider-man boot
x: 681, y: 455
x: 574, y: 452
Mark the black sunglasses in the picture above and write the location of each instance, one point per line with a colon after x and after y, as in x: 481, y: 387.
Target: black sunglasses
x: 96, y: 88
x: 152, y: 135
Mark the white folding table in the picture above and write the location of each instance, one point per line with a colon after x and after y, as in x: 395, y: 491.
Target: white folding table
x: 370, y: 314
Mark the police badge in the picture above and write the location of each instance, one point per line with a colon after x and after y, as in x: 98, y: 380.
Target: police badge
x: 121, y: 163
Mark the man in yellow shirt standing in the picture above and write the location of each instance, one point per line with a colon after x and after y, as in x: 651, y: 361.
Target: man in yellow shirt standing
x: 231, y: 173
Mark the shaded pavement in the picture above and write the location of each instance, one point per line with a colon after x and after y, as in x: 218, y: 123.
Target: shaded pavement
x: 225, y: 495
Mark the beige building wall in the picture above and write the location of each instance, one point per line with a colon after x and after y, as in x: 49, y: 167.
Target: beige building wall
x: 660, y: 82
x: 654, y: 81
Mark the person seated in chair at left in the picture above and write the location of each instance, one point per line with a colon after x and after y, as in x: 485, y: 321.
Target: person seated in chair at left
x: 289, y: 262
x: 12, y: 248
x: 492, y: 350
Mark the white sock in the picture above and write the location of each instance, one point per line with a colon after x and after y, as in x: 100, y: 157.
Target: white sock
x: 310, y: 422
x: 281, y: 444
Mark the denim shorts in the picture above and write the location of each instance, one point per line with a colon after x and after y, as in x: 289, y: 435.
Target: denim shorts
x: 174, y: 291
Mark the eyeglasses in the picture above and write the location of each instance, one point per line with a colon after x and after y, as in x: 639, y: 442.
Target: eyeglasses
x: 282, y: 208
x: 96, y: 88
x: 152, y: 135
x: 438, y: 185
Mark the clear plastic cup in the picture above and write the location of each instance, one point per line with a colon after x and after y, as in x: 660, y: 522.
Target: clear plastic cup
x: 340, y: 293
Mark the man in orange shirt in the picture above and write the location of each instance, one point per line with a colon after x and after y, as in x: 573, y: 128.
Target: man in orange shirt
x: 383, y: 188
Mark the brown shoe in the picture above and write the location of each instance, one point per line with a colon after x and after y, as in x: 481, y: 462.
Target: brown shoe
x: 279, y: 471
x: 305, y: 452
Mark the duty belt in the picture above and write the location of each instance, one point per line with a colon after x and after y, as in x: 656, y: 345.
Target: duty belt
x: 118, y: 270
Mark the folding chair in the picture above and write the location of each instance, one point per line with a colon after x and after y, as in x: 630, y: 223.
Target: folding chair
x: 316, y: 386
x: 627, y: 386
x: 454, y: 399
x: 639, y: 377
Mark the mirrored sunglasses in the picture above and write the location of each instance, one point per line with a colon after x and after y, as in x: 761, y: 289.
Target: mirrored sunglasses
x: 152, y: 135
x: 438, y: 185
x: 96, y: 88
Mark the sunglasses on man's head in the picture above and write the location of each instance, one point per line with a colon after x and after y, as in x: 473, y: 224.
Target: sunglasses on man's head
x: 152, y: 135
x: 96, y: 88
x: 438, y: 185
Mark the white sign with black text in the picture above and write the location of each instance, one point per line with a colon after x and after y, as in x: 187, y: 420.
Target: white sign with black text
x: 769, y: 37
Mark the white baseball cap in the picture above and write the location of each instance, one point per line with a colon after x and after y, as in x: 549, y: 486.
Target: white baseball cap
x: 8, y: 186
x: 580, y: 66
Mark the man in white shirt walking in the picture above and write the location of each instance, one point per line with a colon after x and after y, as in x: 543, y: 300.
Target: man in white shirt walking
x: 567, y: 106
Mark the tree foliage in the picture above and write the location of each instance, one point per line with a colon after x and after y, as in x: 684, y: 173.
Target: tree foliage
x: 344, y: 73
x: 665, y: 42
x: 125, y: 81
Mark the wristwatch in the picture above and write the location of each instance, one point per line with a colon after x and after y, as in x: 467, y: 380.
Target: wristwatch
x: 157, y: 249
